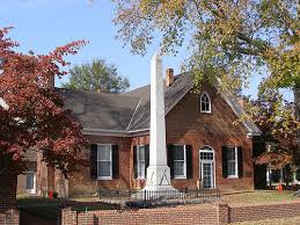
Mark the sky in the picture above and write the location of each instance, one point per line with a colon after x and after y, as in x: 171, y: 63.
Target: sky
x: 42, y: 25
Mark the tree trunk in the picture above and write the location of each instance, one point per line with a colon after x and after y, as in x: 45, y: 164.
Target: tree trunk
x: 297, y: 114
x: 8, y: 189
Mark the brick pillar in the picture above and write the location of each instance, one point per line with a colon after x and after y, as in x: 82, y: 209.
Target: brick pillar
x: 68, y: 217
x: 8, y: 188
x: 61, y: 184
x: 41, y: 176
x: 222, y: 213
x: 10, y: 217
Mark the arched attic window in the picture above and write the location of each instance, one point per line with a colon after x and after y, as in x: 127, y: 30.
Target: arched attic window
x: 205, y: 103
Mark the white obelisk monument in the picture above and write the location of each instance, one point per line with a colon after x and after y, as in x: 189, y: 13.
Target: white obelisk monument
x: 158, y: 172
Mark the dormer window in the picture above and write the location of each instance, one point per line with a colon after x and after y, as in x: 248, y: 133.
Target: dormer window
x: 205, y: 103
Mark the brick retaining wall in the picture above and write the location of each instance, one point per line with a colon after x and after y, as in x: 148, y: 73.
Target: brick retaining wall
x: 213, y: 214
x: 163, y: 216
x: 261, y: 212
x: 8, y: 191
x: 10, y: 217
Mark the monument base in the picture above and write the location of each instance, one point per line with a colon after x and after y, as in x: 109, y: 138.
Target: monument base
x: 158, y: 184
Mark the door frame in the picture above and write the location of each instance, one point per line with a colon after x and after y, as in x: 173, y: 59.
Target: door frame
x: 208, y: 149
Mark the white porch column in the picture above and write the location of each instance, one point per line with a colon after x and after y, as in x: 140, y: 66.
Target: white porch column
x: 158, y: 172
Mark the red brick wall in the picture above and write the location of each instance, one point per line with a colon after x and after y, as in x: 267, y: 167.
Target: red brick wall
x: 41, y: 176
x: 219, y: 214
x: 164, y: 216
x: 10, y: 217
x: 8, y: 186
x: 261, y: 212
x: 82, y: 182
x: 186, y: 125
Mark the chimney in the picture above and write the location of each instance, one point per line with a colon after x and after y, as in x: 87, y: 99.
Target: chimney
x: 169, y: 77
x: 241, y: 102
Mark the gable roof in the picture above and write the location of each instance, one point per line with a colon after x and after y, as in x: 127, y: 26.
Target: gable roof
x: 130, y: 112
x: 100, y: 110
x: 173, y: 94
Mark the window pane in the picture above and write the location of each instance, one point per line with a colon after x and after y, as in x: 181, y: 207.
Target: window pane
x: 206, y: 155
x: 205, y: 103
x: 178, y: 168
x: 231, y: 168
x: 207, y: 176
x: 203, y: 106
x: 104, y: 169
x: 30, y: 181
x: 103, y: 152
x: 204, y: 98
x: 231, y: 154
x: 178, y: 152
x: 207, y: 106
x: 141, y: 153
x: 141, y: 169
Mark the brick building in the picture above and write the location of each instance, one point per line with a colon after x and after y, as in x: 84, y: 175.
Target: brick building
x: 204, y: 148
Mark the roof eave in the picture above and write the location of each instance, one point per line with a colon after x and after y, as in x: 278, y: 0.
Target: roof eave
x: 115, y: 133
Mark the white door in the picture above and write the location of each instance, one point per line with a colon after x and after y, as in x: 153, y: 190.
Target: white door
x: 207, y: 170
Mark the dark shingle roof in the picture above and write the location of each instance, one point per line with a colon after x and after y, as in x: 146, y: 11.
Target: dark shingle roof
x: 130, y: 111
x: 141, y: 117
x: 100, y: 110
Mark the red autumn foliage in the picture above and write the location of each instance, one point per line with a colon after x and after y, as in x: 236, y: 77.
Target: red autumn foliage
x: 32, y: 114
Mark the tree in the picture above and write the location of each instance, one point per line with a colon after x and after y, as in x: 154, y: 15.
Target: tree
x: 97, y: 76
x: 32, y: 114
x: 230, y: 39
x: 275, y: 118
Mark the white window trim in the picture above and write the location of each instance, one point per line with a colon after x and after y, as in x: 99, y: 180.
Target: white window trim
x: 209, y: 102
x: 208, y: 149
x: 236, y: 175
x: 33, y: 190
x: 184, y: 176
x: 138, y: 162
x: 111, y: 160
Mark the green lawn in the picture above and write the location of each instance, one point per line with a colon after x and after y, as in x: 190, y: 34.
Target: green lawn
x: 283, y: 221
x: 260, y: 197
x: 50, y: 208
x: 41, y: 207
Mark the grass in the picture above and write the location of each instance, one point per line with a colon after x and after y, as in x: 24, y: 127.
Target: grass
x: 282, y: 221
x: 45, y: 208
x: 260, y: 197
x: 50, y: 208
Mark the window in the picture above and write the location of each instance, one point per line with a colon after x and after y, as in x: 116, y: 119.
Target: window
x: 104, y: 162
x: 205, y: 103
x: 179, y: 161
x: 141, y: 162
x: 30, y: 182
x: 232, y: 162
